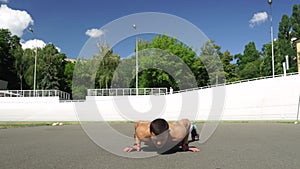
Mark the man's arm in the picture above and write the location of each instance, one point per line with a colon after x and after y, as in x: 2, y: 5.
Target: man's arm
x: 142, y: 133
x: 185, y: 142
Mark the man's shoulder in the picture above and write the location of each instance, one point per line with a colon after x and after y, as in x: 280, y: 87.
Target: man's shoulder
x: 176, y: 126
x: 142, y: 129
x: 142, y: 123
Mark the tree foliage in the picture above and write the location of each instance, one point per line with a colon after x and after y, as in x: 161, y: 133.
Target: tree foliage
x: 9, y: 47
x: 166, y: 62
x: 286, y: 47
x: 295, y: 20
x: 51, y: 68
x: 68, y: 76
x: 248, y: 62
x: 108, y: 62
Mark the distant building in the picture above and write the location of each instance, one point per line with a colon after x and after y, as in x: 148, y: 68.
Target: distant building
x: 71, y: 60
x: 297, y: 41
x: 3, y: 85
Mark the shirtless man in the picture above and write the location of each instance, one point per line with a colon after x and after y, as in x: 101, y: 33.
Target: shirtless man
x: 163, y: 135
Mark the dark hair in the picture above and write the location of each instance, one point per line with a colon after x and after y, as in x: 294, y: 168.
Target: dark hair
x: 159, y: 126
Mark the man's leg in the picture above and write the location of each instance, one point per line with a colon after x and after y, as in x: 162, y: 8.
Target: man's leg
x: 195, y: 135
x: 191, y: 129
x: 187, y: 124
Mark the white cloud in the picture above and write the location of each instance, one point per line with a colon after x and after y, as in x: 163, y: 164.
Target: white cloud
x: 58, y: 49
x: 94, y: 33
x: 31, y: 44
x: 258, y: 18
x: 14, y: 20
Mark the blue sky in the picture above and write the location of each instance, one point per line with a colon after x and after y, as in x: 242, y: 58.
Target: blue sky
x: 65, y: 23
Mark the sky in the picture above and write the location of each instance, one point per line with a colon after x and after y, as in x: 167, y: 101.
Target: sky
x: 70, y: 24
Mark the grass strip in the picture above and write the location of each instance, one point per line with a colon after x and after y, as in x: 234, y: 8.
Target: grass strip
x: 6, y: 125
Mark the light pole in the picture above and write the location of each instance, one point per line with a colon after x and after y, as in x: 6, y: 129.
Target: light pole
x: 35, y: 58
x: 272, y: 38
x: 136, y: 63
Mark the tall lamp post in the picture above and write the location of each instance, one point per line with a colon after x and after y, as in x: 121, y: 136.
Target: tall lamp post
x: 35, y: 58
x: 136, y: 63
x: 272, y: 38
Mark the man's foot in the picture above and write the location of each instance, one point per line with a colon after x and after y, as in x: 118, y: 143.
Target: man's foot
x: 195, y: 137
x: 194, y: 134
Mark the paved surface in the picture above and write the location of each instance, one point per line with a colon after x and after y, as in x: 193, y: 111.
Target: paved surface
x: 233, y: 146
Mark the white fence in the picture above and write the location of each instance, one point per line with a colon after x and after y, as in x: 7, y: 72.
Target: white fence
x: 266, y: 99
x: 35, y: 93
x: 239, y: 81
x: 127, y: 91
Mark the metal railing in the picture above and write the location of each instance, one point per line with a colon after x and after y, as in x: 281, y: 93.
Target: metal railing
x: 117, y: 91
x: 164, y: 91
x: 126, y: 91
x: 235, y: 82
x: 35, y: 93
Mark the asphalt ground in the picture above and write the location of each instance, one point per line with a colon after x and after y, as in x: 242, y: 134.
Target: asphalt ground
x: 232, y: 146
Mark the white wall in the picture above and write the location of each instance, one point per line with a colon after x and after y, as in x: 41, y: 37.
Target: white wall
x: 29, y: 99
x: 37, y: 112
x: 268, y: 99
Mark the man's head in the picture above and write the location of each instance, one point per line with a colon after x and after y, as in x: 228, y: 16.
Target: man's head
x: 158, y: 126
x: 159, y: 129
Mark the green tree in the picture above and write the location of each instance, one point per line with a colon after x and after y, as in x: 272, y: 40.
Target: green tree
x: 108, y: 62
x: 220, y: 66
x: 210, y: 56
x: 9, y: 45
x: 251, y: 70
x: 286, y: 46
x: 295, y: 20
x: 21, y: 65
x: 252, y: 57
x: 124, y: 75
x: 68, y: 76
x: 229, y: 67
x: 51, y: 68
x: 28, y: 57
x: 200, y: 72
x: 94, y: 72
x: 250, y: 54
x: 83, y: 78
x: 161, y: 68
x: 163, y: 52
x: 266, y: 64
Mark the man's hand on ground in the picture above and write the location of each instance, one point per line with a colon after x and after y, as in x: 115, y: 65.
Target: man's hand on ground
x: 185, y: 147
x: 133, y: 148
x: 194, y: 149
